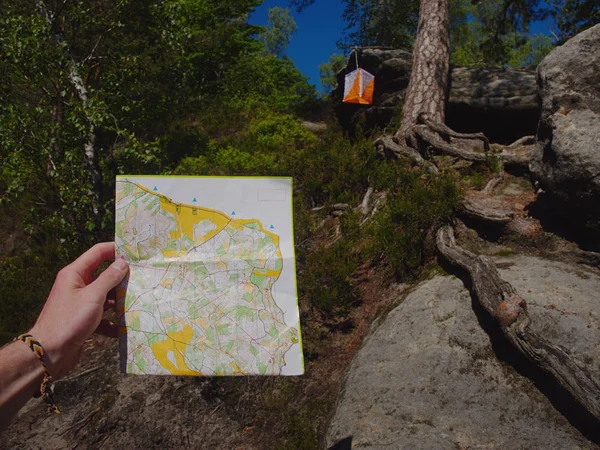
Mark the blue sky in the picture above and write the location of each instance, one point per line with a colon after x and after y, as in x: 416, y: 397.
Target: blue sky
x: 319, y: 28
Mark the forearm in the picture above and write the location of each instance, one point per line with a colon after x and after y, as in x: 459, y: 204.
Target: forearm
x: 21, y: 375
x: 70, y: 315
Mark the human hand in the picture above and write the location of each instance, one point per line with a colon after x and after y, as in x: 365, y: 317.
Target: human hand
x: 74, y: 308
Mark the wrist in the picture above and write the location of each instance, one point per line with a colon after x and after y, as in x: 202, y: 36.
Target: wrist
x: 31, y: 370
x: 53, y: 352
x: 45, y: 390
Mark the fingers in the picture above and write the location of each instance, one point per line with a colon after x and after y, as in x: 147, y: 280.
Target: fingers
x: 87, y: 263
x: 113, y: 275
x: 108, y: 328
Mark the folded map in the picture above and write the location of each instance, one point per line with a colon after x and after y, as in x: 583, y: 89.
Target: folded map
x: 212, y: 283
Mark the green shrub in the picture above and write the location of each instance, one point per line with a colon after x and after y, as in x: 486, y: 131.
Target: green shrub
x: 326, y: 280
x: 476, y: 179
x: 333, y: 170
x: 231, y: 161
x: 279, y: 132
x: 418, y: 203
x: 199, y: 165
x: 26, y: 282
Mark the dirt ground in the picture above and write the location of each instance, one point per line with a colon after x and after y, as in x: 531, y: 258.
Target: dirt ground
x: 103, y: 409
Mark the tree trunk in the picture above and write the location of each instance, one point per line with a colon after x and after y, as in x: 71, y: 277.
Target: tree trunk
x: 90, y: 161
x: 428, y: 86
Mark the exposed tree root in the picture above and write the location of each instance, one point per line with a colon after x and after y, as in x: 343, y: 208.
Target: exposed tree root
x: 517, y: 158
x: 439, y: 138
x: 486, y: 215
x: 509, y: 310
x: 446, y: 131
x: 441, y: 146
x: 492, y: 184
x: 579, y: 256
x: 389, y: 146
x: 369, y: 207
x: 487, y: 210
x: 525, y: 140
x: 377, y: 205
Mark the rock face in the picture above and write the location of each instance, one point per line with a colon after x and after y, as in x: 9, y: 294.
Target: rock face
x: 566, y: 160
x: 428, y: 376
x: 500, y: 102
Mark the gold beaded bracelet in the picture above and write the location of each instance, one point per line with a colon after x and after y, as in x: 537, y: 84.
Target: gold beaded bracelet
x: 45, y: 388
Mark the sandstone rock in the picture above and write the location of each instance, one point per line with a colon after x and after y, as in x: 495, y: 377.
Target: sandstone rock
x: 500, y: 102
x: 428, y: 377
x: 315, y: 127
x: 566, y: 159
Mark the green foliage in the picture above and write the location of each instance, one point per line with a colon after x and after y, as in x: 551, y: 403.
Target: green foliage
x: 267, y: 146
x: 476, y: 179
x: 266, y: 83
x: 490, y: 33
x: 532, y: 52
x: 146, y: 65
x: 25, y: 280
x: 280, y: 31
x: 166, y: 82
x: 494, y: 163
x: 335, y: 169
x: 574, y: 16
x: 418, y: 202
x: 231, y: 161
x: 329, y: 170
x: 328, y: 71
x: 327, y: 278
x: 283, y: 133
x: 199, y: 165
x: 376, y: 22
x: 483, y: 32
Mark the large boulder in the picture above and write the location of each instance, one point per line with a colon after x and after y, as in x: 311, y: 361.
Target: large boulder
x: 500, y: 102
x: 429, y: 376
x: 566, y: 159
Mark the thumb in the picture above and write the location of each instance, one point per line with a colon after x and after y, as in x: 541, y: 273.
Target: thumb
x: 113, y: 275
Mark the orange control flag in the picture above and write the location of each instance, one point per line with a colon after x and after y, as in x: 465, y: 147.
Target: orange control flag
x: 358, y: 87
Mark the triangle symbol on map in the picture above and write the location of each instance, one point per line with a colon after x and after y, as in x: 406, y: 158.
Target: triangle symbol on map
x: 155, y: 188
x: 233, y: 213
x: 271, y: 227
x: 194, y: 200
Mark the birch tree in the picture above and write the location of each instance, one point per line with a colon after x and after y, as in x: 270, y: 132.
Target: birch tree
x: 89, y: 151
